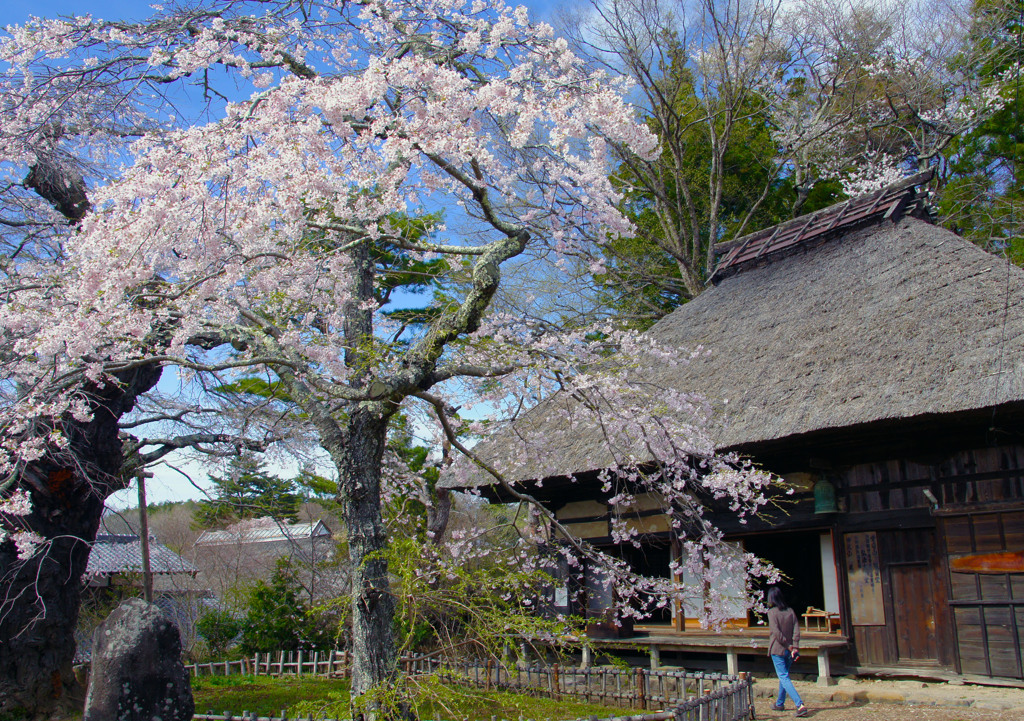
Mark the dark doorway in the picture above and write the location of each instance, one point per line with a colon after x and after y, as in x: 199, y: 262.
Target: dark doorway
x: 651, y: 560
x: 797, y: 554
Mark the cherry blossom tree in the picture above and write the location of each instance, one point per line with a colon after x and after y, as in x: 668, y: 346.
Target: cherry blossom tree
x: 258, y: 243
x: 355, y: 145
x: 909, y: 86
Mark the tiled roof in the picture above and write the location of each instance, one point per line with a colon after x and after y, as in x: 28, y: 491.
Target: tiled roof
x: 115, y: 553
x: 891, y: 202
x: 267, y: 532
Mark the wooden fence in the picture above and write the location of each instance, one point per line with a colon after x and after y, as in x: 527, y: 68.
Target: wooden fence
x: 691, y: 696
x: 281, y: 663
x: 691, y: 711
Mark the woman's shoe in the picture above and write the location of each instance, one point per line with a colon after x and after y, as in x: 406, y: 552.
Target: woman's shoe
x: 779, y: 706
x: 802, y: 711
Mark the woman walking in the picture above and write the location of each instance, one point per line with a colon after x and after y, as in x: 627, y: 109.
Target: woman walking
x: 783, y: 639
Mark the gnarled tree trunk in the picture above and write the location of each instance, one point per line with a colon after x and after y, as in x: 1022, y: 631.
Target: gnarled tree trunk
x: 40, y: 596
x: 373, y: 606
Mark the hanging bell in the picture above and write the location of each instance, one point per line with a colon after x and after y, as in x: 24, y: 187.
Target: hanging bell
x: 824, y: 497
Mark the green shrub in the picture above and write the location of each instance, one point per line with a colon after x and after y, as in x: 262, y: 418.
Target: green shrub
x: 219, y: 628
x: 278, y: 619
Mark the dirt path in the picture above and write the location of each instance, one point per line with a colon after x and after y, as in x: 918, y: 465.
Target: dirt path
x: 859, y: 711
x: 884, y: 700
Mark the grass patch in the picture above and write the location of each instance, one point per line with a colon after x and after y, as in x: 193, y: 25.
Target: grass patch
x: 211, y: 682
x: 330, y: 697
x: 265, y: 695
x: 468, y: 703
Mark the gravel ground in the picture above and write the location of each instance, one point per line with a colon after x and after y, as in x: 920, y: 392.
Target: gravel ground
x: 884, y: 700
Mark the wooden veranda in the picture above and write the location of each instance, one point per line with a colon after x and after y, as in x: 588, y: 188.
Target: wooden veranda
x: 732, y: 642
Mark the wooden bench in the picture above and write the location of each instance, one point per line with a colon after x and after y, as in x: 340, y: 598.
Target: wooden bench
x: 817, y: 620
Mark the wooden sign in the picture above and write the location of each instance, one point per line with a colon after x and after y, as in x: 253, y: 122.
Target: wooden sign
x: 864, y: 577
x: 1001, y: 562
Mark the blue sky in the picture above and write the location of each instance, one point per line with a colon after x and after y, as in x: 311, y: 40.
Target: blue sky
x: 15, y: 11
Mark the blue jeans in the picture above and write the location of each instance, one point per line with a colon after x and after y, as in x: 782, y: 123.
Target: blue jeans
x: 782, y: 664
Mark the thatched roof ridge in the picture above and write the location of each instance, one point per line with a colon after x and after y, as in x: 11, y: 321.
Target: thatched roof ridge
x: 889, y: 203
x: 894, y: 321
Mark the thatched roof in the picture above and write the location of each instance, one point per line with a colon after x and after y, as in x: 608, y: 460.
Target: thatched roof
x: 896, y: 320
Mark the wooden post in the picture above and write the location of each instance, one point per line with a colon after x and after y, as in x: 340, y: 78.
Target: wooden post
x: 298, y: 668
x: 824, y: 669
x: 732, y: 661
x: 147, y: 570
x: 641, y: 688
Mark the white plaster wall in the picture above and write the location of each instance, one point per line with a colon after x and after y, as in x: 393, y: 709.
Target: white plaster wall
x: 829, y: 574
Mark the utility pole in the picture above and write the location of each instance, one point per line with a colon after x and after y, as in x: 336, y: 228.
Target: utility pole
x: 147, y: 571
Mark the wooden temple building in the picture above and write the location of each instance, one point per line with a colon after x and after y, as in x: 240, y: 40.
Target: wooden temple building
x: 876, y: 362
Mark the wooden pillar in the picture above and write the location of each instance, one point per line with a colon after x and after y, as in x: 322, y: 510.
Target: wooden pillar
x: 824, y: 670
x: 655, y: 656
x: 679, y: 611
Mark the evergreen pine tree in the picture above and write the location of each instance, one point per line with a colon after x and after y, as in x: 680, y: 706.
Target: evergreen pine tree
x: 246, y: 490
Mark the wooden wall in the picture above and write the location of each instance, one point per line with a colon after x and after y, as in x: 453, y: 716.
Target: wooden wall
x: 988, y: 608
x: 970, y: 623
x: 896, y: 605
x: 920, y: 512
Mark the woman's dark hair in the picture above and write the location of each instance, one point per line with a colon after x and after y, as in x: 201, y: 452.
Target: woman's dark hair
x: 776, y: 599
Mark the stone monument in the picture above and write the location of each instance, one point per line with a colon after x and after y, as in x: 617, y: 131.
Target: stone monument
x: 137, y: 673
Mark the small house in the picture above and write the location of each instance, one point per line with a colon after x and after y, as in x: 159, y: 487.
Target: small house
x: 251, y: 549
x: 875, y: 361
x: 116, y: 560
